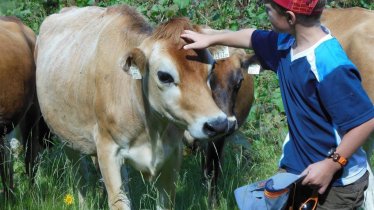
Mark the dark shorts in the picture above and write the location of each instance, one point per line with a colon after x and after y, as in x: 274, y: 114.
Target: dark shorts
x: 340, y: 198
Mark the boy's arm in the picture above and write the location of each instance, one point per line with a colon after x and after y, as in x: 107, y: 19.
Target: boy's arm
x: 355, y: 138
x: 320, y: 174
x: 240, y: 39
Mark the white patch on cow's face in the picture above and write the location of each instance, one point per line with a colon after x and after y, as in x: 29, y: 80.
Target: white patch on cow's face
x: 163, y: 82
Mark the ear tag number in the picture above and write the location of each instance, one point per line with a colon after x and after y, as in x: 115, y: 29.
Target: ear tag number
x: 221, y: 53
x: 135, y: 73
x: 254, y: 69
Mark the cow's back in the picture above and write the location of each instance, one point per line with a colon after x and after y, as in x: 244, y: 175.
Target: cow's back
x: 354, y: 28
x: 17, y: 69
x: 79, y: 54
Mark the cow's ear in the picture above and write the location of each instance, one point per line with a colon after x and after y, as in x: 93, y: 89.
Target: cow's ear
x: 135, y: 63
x: 249, y: 60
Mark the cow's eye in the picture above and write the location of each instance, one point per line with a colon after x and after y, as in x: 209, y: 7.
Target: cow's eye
x: 165, y: 77
x: 237, y: 85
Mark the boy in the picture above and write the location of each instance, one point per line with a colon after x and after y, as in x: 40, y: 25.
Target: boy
x: 329, y: 114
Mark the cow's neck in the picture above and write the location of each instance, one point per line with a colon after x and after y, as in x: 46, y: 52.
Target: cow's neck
x: 156, y: 123
x: 162, y: 134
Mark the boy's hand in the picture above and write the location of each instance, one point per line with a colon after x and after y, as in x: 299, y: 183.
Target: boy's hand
x: 196, y: 40
x: 319, y: 175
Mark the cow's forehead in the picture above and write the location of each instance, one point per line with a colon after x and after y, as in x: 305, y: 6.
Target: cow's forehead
x: 160, y: 59
x: 163, y: 54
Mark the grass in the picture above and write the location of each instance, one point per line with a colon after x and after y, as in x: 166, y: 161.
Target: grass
x: 250, y: 155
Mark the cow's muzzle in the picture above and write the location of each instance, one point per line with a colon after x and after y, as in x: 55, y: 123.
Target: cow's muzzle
x: 216, y: 127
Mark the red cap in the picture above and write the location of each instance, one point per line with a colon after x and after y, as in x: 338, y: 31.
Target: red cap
x: 299, y: 6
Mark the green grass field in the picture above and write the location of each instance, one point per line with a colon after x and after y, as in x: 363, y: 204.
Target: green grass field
x: 250, y: 155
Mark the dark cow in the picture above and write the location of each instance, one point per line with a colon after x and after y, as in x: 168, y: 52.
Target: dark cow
x: 17, y: 85
x: 233, y: 91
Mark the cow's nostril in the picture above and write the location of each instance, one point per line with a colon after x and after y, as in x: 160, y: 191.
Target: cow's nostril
x: 232, y: 125
x: 209, y: 130
x: 216, y: 127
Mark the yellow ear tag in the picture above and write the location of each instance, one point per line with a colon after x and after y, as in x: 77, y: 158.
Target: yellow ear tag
x: 254, y: 69
x: 221, y: 53
x: 135, y: 72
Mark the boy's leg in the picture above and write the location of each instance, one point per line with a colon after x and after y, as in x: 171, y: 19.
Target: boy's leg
x: 345, y: 197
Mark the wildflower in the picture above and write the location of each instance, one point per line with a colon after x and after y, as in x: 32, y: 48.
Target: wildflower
x: 15, y: 147
x: 69, y: 199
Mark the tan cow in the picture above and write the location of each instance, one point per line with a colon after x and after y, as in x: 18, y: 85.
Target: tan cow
x: 354, y: 28
x: 17, y: 85
x: 111, y: 86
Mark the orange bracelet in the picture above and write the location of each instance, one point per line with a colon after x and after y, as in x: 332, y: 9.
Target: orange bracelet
x: 336, y: 157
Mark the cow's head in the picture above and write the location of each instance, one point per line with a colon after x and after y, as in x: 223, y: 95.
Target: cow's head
x: 175, y: 80
x: 232, y: 87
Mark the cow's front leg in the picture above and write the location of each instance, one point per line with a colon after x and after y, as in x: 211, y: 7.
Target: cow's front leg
x: 110, y: 162
x: 165, y: 181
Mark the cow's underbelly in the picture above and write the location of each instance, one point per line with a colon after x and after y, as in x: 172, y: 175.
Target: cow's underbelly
x: 85, y: 146
x: 75, y: 136
x: 72, y: 124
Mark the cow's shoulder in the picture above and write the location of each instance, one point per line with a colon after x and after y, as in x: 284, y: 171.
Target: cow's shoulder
x: 352, y: 17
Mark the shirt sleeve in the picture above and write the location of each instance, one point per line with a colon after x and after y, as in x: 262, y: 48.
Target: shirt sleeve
x: 264, y: 44
x: 344, y: 98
